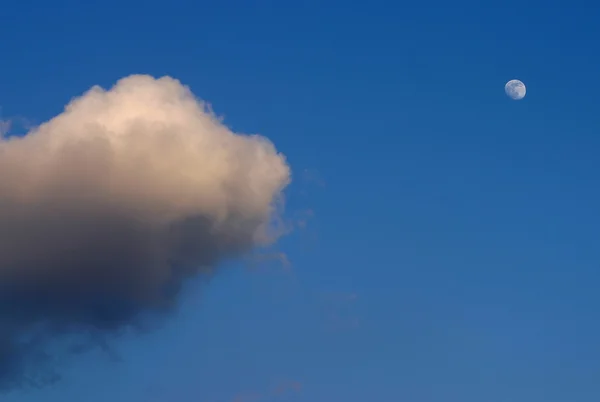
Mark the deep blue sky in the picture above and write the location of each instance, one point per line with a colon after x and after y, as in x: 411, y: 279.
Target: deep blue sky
x: 457, y: 228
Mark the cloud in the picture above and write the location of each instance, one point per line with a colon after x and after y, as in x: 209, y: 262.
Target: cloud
x: 107, y: 208
x: 259, y: 260
x: 4, y: 127
x: 282, y: 388
x: 312, y: 176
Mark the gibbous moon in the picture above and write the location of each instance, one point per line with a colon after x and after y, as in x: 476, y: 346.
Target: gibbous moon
x: 515, y: 89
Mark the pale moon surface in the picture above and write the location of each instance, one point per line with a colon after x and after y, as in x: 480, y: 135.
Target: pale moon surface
x: 515, y: 89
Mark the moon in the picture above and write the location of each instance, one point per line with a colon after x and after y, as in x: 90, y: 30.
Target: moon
x: 515, y: 89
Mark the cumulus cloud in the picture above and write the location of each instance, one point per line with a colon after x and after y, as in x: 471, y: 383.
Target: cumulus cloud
x: 108, y: 207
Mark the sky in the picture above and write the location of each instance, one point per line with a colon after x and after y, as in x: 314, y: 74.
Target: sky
x: 441, y: 238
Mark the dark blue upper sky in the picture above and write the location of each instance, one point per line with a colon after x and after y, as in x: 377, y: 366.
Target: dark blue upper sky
x: 453, y: 251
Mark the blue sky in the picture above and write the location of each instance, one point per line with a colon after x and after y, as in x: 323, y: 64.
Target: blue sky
x: 452, y: 255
